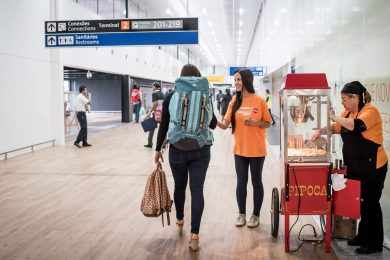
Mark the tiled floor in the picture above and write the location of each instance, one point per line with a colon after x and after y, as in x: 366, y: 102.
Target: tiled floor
x: 70, y: 203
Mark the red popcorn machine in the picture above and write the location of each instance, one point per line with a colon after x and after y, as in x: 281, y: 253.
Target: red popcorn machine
x: 305, y: 182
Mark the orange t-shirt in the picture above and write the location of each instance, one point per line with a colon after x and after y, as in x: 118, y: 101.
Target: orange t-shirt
x: 249, y: 140
x: 371, y: 117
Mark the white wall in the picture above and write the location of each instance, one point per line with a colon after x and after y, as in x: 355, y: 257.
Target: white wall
x: 30, y: 100
x: 346, y: 39
x: 31, y: 90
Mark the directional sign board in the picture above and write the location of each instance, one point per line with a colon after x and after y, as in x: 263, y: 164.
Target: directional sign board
x: 257, y: 71
x: 121, y: 32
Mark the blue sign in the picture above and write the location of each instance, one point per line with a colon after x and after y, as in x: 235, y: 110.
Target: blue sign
x: 118, y: 39
x: 121, y: 32
x: 257, y: 71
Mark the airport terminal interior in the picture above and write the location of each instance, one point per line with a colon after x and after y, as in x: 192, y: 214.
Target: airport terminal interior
x: 88, y: 92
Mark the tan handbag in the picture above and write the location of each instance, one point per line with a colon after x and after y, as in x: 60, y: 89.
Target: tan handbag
x: 156, y: 199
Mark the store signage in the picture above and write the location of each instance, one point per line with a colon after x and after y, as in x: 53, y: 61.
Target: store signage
x: 123, y: 32
x: 257, y: 71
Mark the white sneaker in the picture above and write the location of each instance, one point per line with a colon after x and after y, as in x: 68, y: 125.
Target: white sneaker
x: 241, y: 220
x: 253, y: 222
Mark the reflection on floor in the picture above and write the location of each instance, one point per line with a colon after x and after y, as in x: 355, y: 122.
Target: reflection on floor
x: 70, y: 203
x: 97, y: 121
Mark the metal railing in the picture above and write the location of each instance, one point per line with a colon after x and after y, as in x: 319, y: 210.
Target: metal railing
x: 5, y: 154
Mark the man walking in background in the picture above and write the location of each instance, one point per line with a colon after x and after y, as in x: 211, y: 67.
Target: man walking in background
x: 82, y: 103
x: 219, y: 99
x: 225, y: 102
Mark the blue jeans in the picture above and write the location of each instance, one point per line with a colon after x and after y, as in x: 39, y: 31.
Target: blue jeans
x: 136, y: 109
x: 193, y: 164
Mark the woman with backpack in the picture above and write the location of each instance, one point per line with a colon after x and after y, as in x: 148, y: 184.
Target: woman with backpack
x: 249, y: 116
x: 188, y: 157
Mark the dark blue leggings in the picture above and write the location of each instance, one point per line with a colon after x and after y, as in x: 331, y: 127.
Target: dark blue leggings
x: 256, y: 166
x: 193, y: 164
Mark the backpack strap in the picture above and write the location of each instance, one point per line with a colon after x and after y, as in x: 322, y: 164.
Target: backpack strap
x: 202, y: 112
x: 160, y: 192
x: 184, y: 116
x: 168, y: 218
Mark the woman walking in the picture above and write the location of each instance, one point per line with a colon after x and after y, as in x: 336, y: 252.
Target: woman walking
x: 186, y: 163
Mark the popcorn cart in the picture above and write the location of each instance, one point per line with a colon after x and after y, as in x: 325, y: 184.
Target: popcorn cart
x: 306, y: 183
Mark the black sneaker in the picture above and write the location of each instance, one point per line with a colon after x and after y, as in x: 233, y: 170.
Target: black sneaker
x: 363, y: 250
x: 87, y: 145
x: 77, y: 144
x: 148, y: 146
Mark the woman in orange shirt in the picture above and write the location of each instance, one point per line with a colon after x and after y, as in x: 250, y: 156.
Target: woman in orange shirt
x: 360, y: 127
x: 249, y: 116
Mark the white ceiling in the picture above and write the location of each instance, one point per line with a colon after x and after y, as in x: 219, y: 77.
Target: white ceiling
x: 225, y: 26
x: 286, y: 28
x: 289, y: 28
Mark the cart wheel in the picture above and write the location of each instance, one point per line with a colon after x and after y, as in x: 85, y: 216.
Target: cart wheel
x: 275, y: 213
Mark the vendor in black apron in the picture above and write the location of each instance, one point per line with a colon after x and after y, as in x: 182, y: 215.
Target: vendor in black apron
x: 360, y: 127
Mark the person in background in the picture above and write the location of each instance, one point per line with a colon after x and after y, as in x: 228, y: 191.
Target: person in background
x: 268, y: 100
x: 219, y: 99
x: 136, y: 101
x: 360, y: 127
x: 225, y: 102
x: 191, y: 164
x: 82, y: 103
x: 249, y: 117
x: 156, y: 111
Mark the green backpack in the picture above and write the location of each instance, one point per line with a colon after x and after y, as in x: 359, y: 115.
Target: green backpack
x: 190, y: 112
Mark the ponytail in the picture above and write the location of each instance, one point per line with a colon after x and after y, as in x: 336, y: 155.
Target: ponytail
x: 367, y: 97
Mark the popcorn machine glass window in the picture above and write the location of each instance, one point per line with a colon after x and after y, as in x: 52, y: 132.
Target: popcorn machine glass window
x: 303, y: 112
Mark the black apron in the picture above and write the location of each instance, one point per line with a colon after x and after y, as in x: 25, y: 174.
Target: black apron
x: 359, y: 154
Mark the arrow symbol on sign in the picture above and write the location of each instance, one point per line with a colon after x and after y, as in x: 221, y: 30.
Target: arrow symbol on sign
x: 51, y: 26
x: 51, y: 40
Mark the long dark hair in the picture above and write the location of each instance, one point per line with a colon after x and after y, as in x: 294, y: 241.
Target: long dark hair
x: 247, y: 83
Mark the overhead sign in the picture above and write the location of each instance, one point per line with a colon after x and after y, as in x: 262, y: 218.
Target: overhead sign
x: 257, y: 71
x: 121, y: 32
x: 216, y: 78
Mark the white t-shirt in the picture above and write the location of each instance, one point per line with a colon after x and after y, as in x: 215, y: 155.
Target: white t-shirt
x: 81, y: 103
